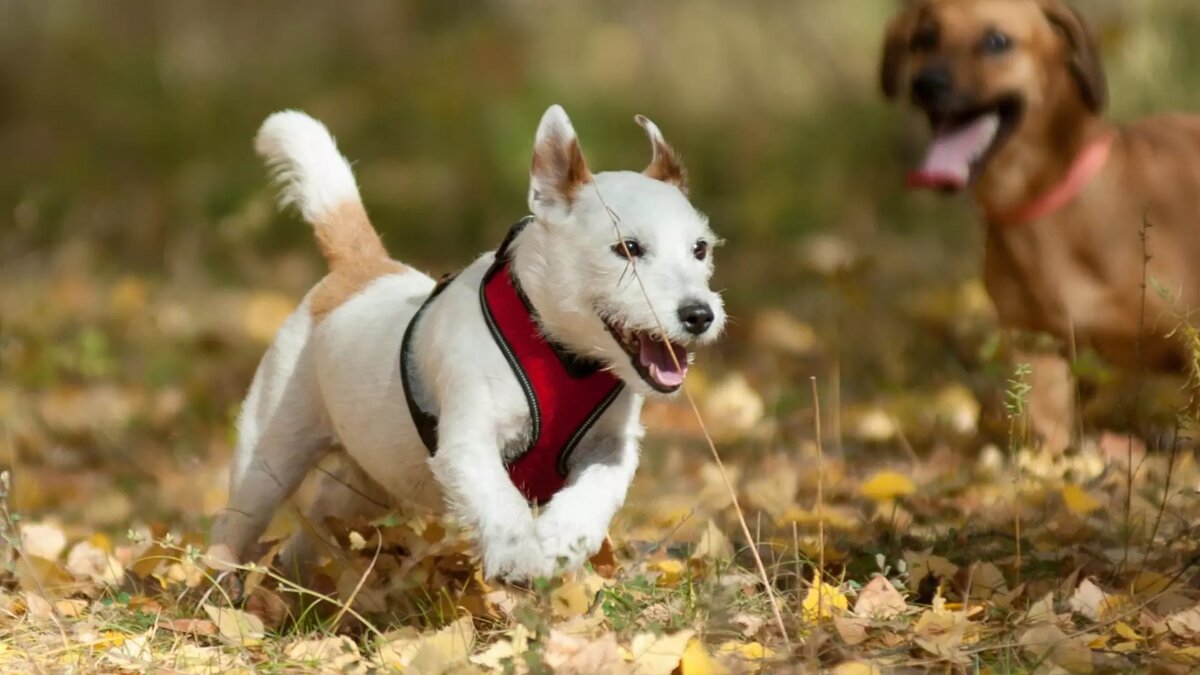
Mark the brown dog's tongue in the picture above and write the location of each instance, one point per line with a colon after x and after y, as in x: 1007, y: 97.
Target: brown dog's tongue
x: 948, y: 162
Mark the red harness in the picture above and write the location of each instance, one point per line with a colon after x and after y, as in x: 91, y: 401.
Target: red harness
x: 566, y: 395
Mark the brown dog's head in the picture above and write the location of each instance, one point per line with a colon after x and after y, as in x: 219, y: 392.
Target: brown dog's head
x: 988, y: 73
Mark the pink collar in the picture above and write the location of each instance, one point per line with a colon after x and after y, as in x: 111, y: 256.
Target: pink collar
x: 1087, y: 164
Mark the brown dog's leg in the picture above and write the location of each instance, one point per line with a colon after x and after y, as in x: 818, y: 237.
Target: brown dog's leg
x: 1050, y: 408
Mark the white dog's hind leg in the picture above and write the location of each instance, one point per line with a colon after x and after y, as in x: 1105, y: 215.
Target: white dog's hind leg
x: 282, y: 432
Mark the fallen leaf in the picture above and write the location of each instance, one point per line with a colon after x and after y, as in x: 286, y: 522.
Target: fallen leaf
x: 670, y: 571
x: 852, y: 629
x: 575, y: 655
x: 604, y: 561
x: 823, y: 601
x: 887, y: 485
x: 71, y: 609
x: 941, y: 633
x: 659, y: 655
x: 42, y: 540
x: 749, y: 651
x: 696, y: 661
x: 987, y: 581
x: 713, y: 545
x: 91, y: 562
x: 504, y: 650
x: 1048, y: 642
x: 856, y: 668
x: 434, y: 653
x: 336, y: 653
x: 1186, y: 623
x: 1078, y: 501
x: 879, y: 600
x: 202, y: 627
x: 575, y: 596
x: 236, y: 627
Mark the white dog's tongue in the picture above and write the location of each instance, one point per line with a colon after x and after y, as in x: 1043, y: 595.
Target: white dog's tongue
x: 667, y: 371
x: 948, y: 162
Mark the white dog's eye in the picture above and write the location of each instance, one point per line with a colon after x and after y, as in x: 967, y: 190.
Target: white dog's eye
x: 630, y: 248
x: 700, y: 250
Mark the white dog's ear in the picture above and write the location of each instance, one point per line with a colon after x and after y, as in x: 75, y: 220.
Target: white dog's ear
x: 558, y: 169
x: 664, y: 163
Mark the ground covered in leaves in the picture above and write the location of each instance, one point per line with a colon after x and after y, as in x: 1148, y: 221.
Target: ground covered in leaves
x: 911, y: 537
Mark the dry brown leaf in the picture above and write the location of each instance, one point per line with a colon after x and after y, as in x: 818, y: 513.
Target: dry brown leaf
x: 42, y: 576
x: 604, y: 561
x: 987, y: 581
x: 71, y: 609
x: 1048, y: 642
x: 879, y: 600
x: 201, y: 627
x: 336, y: 653
x: 852, y: 629
x: 235, y: 626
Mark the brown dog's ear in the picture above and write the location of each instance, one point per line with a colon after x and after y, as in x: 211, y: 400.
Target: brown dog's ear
x: 1083, y: 58
x: 895, y: 50
x: 664, y: 163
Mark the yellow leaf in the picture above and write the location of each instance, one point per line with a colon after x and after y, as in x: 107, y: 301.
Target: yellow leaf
x: 236, y: 627
x: 1126, y: 631
x: 887, y: 485
x: 696, y: 661
x: 670, y: 571
x: 750, y: 651
x: 856, y: 668
x: 822, y: 600
x: 1078, y: 501
x: 659, y: 655
x: 576, y: 596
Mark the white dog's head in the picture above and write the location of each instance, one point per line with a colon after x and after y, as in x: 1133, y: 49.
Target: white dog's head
x: 579, y: 273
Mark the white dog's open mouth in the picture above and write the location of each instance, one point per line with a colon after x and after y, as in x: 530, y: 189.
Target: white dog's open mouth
x: 661, y: 367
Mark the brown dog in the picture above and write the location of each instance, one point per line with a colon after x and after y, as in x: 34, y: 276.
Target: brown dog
x: 1015, y: 93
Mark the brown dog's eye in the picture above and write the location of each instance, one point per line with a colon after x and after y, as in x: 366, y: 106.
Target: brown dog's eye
x: 995, y: 42
x: 700, y: 250
x: 924, y: 40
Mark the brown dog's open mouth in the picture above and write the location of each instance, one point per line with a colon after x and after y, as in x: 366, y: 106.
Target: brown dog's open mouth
x: 962, y: 144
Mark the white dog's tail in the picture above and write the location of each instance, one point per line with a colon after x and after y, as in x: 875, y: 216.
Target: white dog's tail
x: 315, y: 177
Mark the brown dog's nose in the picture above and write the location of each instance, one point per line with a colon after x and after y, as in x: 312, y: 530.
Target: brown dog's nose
x: 932, y: 86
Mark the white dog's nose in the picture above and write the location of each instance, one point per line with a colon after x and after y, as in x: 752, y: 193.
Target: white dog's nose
x: 696, y: 316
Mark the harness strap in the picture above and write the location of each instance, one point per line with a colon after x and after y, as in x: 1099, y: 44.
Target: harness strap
x: 566, y: 395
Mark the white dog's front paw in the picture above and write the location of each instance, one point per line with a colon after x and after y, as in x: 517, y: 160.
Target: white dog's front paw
x: 514, y: 557
x: 565, y: 543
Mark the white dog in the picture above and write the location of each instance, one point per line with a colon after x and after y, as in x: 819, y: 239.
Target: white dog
x: 521, y: 379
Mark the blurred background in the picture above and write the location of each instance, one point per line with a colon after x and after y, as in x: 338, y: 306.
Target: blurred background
x: 144, y: 268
